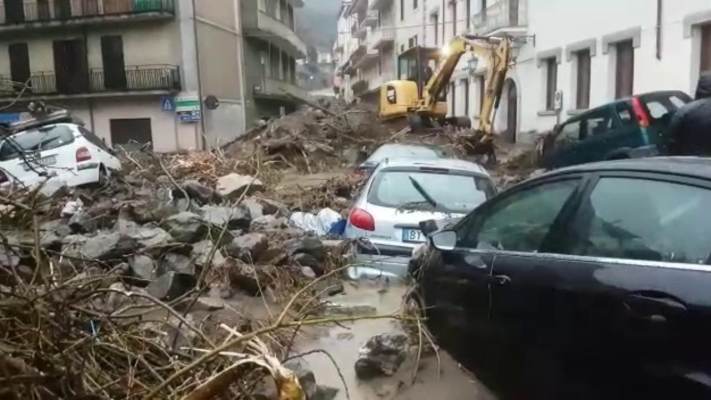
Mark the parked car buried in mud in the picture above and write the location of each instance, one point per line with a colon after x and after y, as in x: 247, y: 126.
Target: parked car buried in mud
x: 402, y: 193
x: 63, y: 151
x: 594, y: 273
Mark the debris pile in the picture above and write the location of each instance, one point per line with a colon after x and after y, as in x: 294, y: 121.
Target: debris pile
x: 101, y: 288
x: 313, y: 140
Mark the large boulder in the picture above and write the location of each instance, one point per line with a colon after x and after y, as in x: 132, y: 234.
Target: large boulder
x: 171, y: 285
x: 249, y: 247
x: 142, y: 267
x: 107, y: 245
x: 147, y: 236
x: 201, y: 253
x: 267, y: 222
x: 81, y: 222
x: 176, y: 262
x: 232, y: 186
x: 309, y: 245
x: 234, y: 217
x: 197, y: 191
x: 381, y: 355
x: 186, y: 227
x: 254, y: 206
x: 52, y: 233
x: 243, y: 276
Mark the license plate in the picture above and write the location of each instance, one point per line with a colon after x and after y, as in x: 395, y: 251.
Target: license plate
x: 46, y: 161
x: 412, y: 235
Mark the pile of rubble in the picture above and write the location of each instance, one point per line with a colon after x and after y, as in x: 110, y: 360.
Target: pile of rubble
x: 101, y: 287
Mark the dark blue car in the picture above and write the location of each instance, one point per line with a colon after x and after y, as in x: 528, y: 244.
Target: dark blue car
x: 627, y: 128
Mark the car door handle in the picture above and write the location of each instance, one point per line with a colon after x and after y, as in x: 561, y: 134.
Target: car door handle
x: 500, y: 280
x: 476, y: 261
x: 654, y: 307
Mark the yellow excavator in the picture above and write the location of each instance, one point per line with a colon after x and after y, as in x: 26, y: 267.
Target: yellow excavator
x: 421, y: 97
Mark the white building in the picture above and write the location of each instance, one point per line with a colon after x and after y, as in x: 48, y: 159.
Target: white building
x: 591, y: 52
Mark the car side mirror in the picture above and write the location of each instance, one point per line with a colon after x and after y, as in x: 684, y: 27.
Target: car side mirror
x: 444, y: 240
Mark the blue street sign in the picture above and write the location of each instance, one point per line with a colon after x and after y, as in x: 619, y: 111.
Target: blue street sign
x: 167, y: 103
x: 189, y: 116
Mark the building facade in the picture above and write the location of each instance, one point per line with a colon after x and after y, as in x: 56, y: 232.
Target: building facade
x: 271, y: 50
x: 588, y: 53
x: 173, y: 73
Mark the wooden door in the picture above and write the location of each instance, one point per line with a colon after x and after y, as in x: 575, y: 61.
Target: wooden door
x: 624, y: 84
x: 14, y: 11
x: 70, y: 66
x: 19, y: 64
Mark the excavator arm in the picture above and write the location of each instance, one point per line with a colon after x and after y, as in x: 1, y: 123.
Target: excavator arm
x: 497, y: 53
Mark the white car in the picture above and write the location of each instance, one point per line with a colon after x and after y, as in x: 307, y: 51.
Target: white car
x: 402, y: 193
x: 62, y: 151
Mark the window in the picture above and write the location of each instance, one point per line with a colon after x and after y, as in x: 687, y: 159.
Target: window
x: 412, y: 42
x: 453, y: 91
x: 481, y: 84
x: 453, y: 4
x: 625, y: 113
x: 706, y: 48
x: 19, y: 63
x: 131, y: 133
x: 70, y: 66
x: 469, y: 14
x: 113, y: 62
x: 35, y: 140
x: 624, y: 71
x: 519, y: 222
x: 93, y: 139
x: 465, y: 85
x: 569, y: 133
x: 435, y: 23
x: 598, y: 123
x: 401, y: 189
x: 551, y: 82
x: 414, y: 4
x: 402, y: 10
x: 644, y: 220
x: 582, y: 94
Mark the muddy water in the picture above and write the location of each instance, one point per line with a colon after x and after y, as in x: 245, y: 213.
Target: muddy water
x: 343, y: 343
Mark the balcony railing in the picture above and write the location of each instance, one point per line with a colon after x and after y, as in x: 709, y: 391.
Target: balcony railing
x: 380, y: 4
x: 278, y: 88
x: 132, y: 78
x: 502, y: 14
x: 18, y: 12
x: 381, y: 38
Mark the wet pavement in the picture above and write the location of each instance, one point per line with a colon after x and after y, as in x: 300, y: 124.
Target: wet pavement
x: 451, y: 382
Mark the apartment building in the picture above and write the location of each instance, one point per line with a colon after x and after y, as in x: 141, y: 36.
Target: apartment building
x: 179, y: 74
x: 588, y: 53
x: 271, y: 50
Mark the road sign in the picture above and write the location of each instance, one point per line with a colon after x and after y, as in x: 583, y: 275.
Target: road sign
x: 189, y: 116
x: 167, y: 103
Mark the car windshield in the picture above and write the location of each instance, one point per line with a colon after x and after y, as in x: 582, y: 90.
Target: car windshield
x: 418, y: 190
x: 40, y: 139
x: 404, y: 151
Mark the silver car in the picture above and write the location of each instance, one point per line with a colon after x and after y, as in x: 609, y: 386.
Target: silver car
x: 399, y: 195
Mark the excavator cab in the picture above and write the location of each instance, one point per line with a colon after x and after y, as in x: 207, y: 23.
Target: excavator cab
x: 415, y: 68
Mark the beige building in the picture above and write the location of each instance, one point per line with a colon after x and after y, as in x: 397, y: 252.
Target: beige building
x: 134, y: 70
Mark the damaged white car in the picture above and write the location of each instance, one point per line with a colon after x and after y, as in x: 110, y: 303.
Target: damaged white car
x: 61, y: 151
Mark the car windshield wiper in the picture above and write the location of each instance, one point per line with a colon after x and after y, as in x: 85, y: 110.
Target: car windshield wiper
x: 422, y: 191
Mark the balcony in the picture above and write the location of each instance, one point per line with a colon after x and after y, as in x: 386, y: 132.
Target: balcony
x: 380, y: 4
x: 363, y: 57
x: 381, y: 38
x: 278, y: 89
x: 15, y: 16
x: 156, y: 79
x: 504, y: 16
x: 371, y: 19
x: 278, y: 32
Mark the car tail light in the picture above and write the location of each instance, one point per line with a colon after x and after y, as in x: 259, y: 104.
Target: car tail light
x: 3, y: 177
x: 83, y: 154
x: 362, y: 219
x: 639, y: 112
